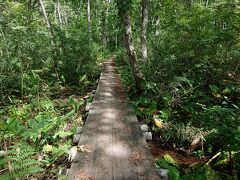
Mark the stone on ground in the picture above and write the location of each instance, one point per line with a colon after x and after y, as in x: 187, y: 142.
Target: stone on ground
x: 144, y: 128
x: 76, y: 138
x: 147, y: 136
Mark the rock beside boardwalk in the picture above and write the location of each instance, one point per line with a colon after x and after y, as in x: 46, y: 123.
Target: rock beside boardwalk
x: 144, y: 128
x: 147, y: 136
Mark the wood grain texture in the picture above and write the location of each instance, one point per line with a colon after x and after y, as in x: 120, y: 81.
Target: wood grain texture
x: 113, y: 135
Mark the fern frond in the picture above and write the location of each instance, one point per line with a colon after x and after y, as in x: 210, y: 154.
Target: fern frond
x: 20, y: 162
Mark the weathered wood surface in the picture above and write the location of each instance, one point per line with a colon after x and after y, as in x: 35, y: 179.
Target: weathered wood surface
x: 112, y: 135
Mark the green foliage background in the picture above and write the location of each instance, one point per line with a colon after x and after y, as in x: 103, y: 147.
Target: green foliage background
x: 192, y: 74
x: 192, y: 77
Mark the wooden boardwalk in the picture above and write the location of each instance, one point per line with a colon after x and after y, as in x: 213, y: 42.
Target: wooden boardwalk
x: 113, y: 146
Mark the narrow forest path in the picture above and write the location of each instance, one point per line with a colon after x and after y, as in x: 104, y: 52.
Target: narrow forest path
x: 112, y: 145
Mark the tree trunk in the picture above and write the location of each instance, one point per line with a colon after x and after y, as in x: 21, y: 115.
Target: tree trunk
x: 104, y: 36
x: 138, y: 76
x: 47, y: 22
x: 80, y: 9
x: 107, y: 13
x: 89, y: 17
x: 65, y: 18
x: 58, y: 11
x: 49, y: 32
x: 206, y: 4
x: 144, y: 28
x: 157, y: 31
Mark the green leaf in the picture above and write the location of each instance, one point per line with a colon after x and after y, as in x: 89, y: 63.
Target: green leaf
x: 169, y: 159
x: 214, y: 88
x: 47, y: 148
x: 202, y: 173
x: 174, y: 173
x: 62, y: 134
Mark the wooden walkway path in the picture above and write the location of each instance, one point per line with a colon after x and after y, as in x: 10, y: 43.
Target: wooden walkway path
x: 113, y: 146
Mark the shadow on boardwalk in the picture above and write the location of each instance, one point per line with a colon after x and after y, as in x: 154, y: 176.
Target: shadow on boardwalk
x: 117, y: 149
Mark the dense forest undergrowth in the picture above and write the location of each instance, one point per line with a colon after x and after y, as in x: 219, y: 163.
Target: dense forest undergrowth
x: 191, y: 89
x: 178, y: 60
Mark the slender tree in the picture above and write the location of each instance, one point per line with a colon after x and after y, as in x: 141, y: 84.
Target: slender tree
x: 89, y: 17
x: 58, y: 12
x: 80, y: 8
x: 144, y: 28
x: 47, y: 21
x: 50, y: 32
x: 124, y: 11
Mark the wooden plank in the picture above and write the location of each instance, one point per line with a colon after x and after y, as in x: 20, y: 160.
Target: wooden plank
x: 112, y: 134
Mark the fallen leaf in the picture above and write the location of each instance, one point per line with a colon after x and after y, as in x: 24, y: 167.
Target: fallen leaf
x: 82, y: 148
x: 72, y: 153
x: 141, y: 109
x: 158, y: 122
